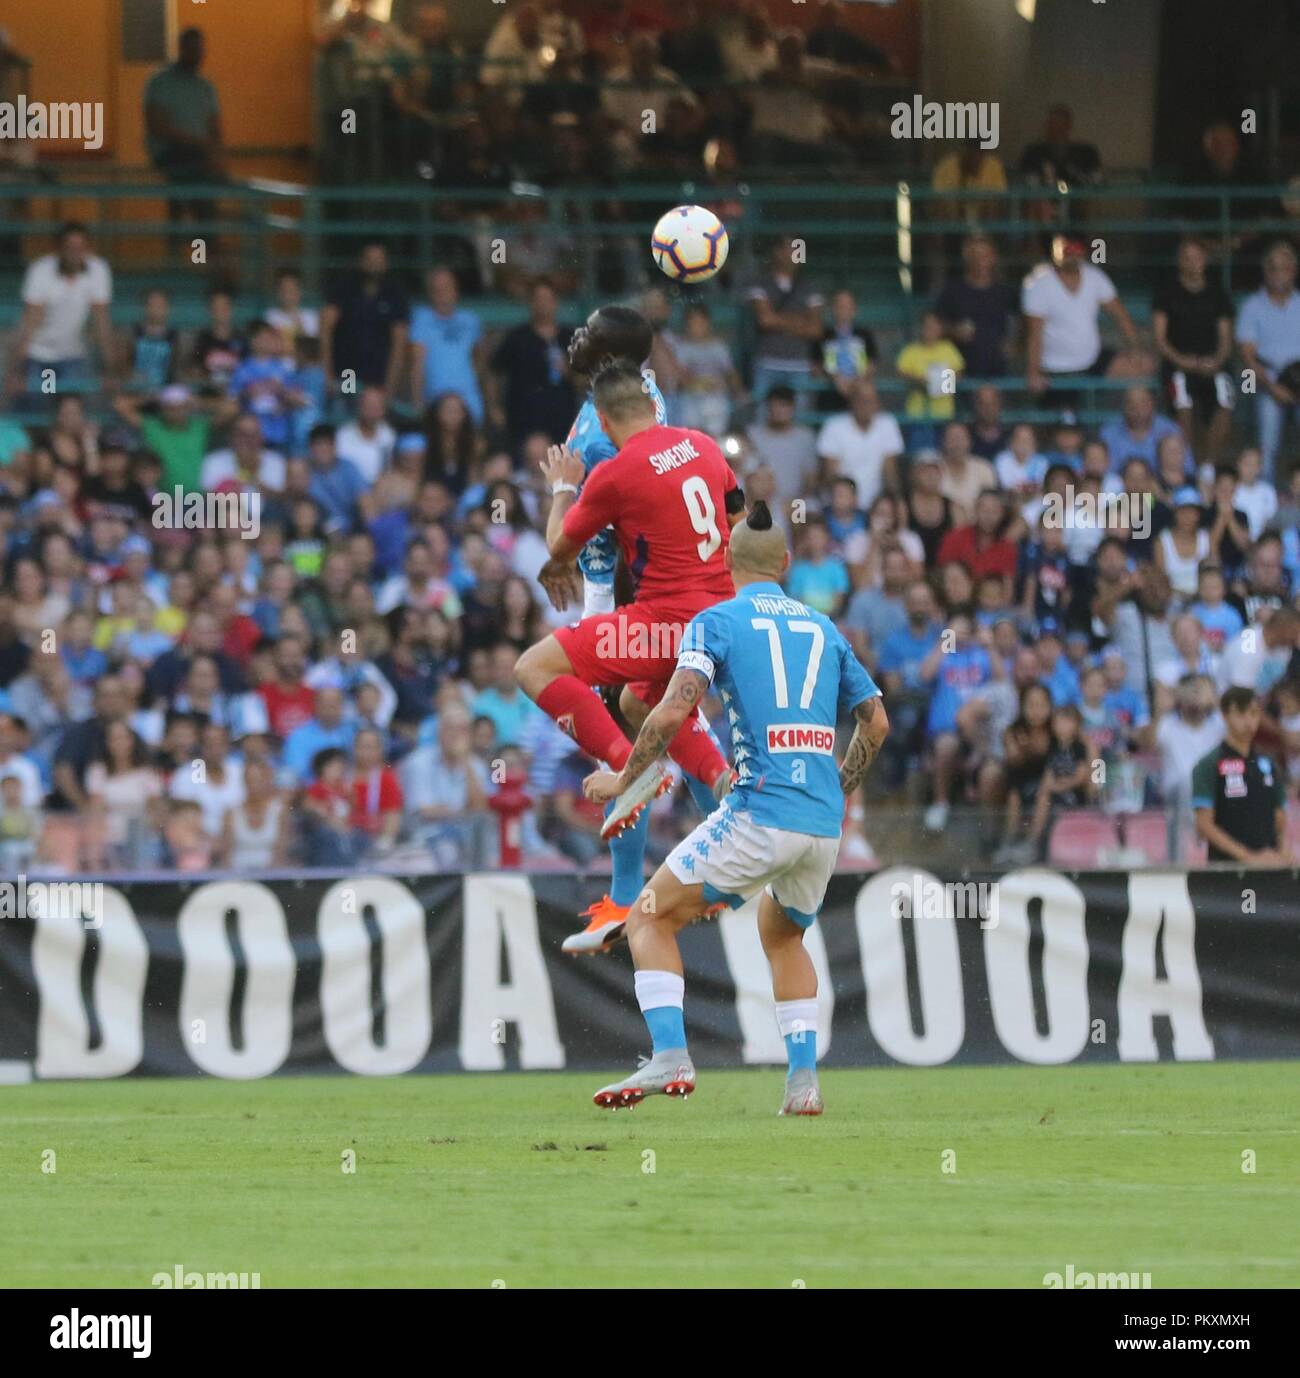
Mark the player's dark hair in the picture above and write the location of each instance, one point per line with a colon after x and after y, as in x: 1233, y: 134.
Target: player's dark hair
x: 760, y: 516
x: 620, y: 334
x: 1238, y: 697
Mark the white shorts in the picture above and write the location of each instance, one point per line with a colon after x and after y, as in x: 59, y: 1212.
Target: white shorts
x: 734, y: 858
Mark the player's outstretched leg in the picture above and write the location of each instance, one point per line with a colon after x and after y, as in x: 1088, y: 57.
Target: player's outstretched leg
x: 653, y: 922
x: 794, y: 987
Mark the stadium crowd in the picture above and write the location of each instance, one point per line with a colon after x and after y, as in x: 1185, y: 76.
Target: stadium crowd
x: 1053, y: 611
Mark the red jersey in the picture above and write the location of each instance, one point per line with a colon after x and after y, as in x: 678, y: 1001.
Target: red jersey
x: 665, y: 495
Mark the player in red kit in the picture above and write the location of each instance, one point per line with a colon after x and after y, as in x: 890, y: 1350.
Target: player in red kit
x: 671, y: 498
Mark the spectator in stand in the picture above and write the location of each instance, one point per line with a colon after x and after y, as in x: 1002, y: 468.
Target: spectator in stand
x: 1020, y: 468
x: 1239, y: 795
x: 1061, y: 300
x: 1255, y: 496
x: 289, y: 701
x: 446, y: 790
x: 863, y: 443
x: 533, y: 364
x: 886, y: 530
x: 368, y: 442
x: 1056, y: 157
x: 878, y: 609
x: 640, y: 83
x: 982, y: 545
x: 787, y: 318
x: 85, y: 742
x: 790, y: 121
x: 327, y: 727
x: 937, y: 364
x: 508, y: 707
x: 978, y: 310
x: 218, y: 347
x: 1192, y: 319
x: 1182, y: 548
x: 290, y: 317
x: 365, y: 324
x: 327, y: 812
x: 256, y: 832
x: 710, y: 383
x: 1192, y: 656
x: 182, y: 117
x: 376, y: 818
x: 262, y: 385
x: 956, y: 667
x: 966, y: 168
x: 248, y: 464
x: 1184, y: 736
x: 215, y: 781
x: 1268, y: 335
x: 964, y: 475
x: 447, y: 354
x: 15, y: 762
x: 1137, y: 431
x: 818, y: 577
x: 62, y: 293
x: 902, y: 656
x: 1265, y: 656
x: 1067, y: 780
x: 525, y: 43
x: 847, y: 351
x: 785, y: 446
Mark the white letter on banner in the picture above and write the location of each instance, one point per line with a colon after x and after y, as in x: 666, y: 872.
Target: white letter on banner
x: 209, y: 979
x: 1153, y: 896
x: 1065, y: 967
x: 346, y: 956
x: 62, y: 1028
x: 497, y: 907
x: 752, y: 977
x: 884, y: 967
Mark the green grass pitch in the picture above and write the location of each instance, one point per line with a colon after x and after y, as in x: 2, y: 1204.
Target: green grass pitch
x: 518, y: 1180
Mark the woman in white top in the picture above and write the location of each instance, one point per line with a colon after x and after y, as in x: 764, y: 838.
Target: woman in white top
x: 122, y: 788
x: 255, y: 833
x: 1182, y: 547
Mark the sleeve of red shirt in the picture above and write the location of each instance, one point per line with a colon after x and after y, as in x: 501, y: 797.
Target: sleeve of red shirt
x: 390, y: 792
x: 594, y: 509
x: 950, y: 548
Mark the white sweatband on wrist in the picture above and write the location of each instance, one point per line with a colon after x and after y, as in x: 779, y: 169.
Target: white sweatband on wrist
x: 563, y: 488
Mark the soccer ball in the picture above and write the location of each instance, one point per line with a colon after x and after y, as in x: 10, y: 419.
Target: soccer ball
x: 689, y: 244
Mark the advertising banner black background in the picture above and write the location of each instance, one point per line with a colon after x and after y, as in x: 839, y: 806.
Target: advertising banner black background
x: 500, y: 994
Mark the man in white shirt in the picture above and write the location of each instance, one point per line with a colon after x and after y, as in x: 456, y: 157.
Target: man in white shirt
x: 368, y: 441
x: 1061, y: 301
x: 246, y: 461
x: 525, y: 45
x: 863, y: 443
x: 1186, y: 735
x: 61, y: 293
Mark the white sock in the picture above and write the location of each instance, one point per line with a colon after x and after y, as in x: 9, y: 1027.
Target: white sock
x: 793, y: 1016
x: 655, y: 989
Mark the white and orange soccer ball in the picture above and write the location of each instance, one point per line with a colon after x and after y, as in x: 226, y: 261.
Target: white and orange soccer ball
x: 689, y: 244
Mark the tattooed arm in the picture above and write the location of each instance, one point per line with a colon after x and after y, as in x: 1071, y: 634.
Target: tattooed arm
x: 870, y: 729
x: 685, y: 691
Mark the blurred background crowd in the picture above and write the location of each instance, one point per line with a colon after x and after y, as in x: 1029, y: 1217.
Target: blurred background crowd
x: 1056, y: 510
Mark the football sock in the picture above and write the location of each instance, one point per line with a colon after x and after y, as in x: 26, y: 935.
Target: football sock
x: 660, y: 993
x: 590, y: 723
x: 694, y: 749
x: 627, y: 859
x: 797, y: 1020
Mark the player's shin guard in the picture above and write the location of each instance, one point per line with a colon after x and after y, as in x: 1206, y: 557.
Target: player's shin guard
x: 797, y: 1020
x: 627, y: 859
x: 660, y: 994
x: 694, y: 749
x: 582, y: 714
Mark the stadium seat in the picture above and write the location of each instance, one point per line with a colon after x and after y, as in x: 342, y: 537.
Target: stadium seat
x: 1148, y: 833
x: 1079, y: 838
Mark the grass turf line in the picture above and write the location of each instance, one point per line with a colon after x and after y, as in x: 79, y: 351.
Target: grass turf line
x: 463, y: 1180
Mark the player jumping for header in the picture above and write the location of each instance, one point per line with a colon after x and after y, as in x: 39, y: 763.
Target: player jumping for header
x: 784, y: 674
x: 670, y: 497
x: 615, y: 335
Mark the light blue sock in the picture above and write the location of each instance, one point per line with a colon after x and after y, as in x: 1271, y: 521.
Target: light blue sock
x: 801, y: 1050
x: 627, y: 858
x: 667, y: 1027
x: 659, y: 994
x: 797, y: 1020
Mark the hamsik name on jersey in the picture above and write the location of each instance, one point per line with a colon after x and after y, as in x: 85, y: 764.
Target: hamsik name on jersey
x: 784, y: 674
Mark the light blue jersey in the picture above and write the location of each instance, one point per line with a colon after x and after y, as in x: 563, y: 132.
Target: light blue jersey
x: 587, y: 440
x: 785, y: 674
